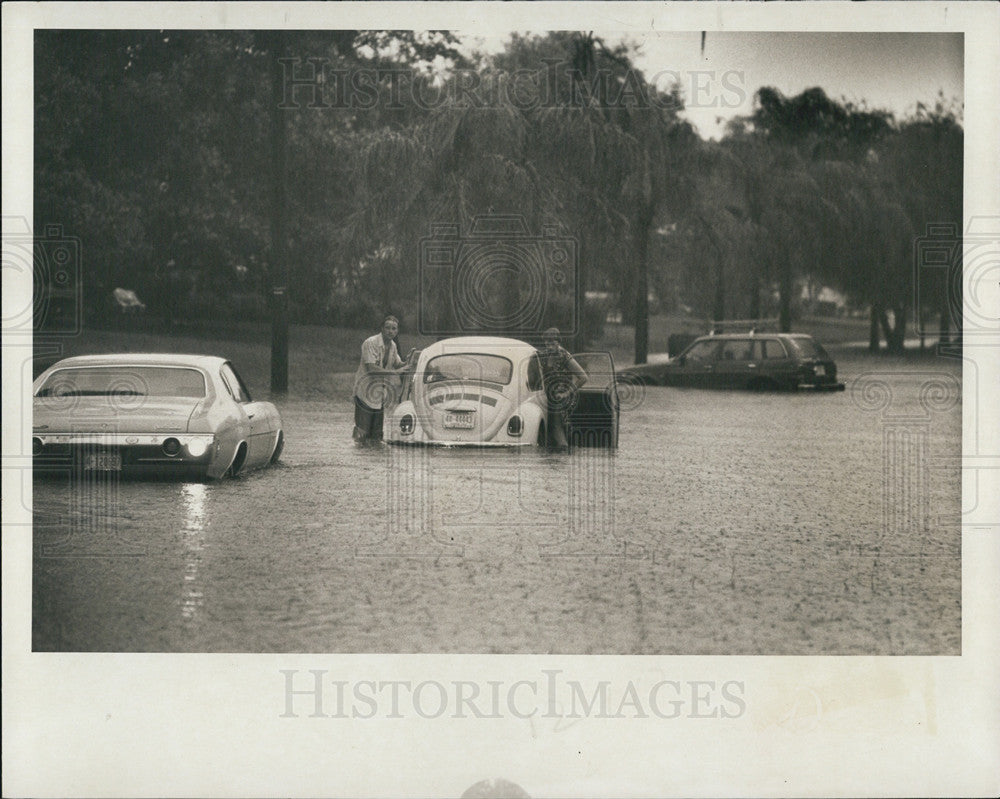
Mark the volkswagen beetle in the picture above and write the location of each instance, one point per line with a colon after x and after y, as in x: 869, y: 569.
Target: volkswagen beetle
x: 489, y: 391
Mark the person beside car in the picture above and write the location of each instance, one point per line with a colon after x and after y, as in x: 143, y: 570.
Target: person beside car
x: 561, y: 376
x: 374, y: 382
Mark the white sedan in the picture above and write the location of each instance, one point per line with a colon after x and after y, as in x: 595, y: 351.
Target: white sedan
x: 158, y: 414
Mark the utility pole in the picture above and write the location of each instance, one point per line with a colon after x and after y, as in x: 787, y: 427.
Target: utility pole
x: 279, y: 256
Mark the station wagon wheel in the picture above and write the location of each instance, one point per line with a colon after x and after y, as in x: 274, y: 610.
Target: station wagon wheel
x: 279, y: 445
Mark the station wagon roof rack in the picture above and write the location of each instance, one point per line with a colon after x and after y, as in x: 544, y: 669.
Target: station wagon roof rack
x: 751, y: 326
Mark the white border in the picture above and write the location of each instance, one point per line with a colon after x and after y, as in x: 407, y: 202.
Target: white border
x: 208, y: 725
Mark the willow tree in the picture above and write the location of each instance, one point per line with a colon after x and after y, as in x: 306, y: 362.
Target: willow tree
x: 655, y: 152
x: 781, y: 154
x: 763, y: 204
x: 552, y: 141
x: 923, y: 162
x: 440, y: 173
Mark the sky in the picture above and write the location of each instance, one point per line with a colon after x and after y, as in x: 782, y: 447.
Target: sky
x: 892, y: 71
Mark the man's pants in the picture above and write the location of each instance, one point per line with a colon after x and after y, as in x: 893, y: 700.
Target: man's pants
x: 367, y: 422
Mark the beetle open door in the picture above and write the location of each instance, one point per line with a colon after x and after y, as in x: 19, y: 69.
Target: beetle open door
x: 593, y: 421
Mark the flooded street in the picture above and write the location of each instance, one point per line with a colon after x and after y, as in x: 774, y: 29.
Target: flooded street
x: 726, y: 523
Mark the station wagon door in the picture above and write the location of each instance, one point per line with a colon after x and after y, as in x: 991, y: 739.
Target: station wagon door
x: 775, y: 363
x: 695, y: 366
x: 737, y: 364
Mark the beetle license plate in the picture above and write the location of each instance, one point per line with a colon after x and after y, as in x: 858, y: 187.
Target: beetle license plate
x: 820, y: 370
x: 103, y: 462
x: 466, y: 421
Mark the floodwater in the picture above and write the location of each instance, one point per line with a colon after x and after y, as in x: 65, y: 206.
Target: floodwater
x: 726, y: 523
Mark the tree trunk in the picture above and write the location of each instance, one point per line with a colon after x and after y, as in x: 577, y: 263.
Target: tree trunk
x: 719, y: 306
x: 944, y: 323
x: 642, y: 283
x: 883, y: 320
x: 897, y: 341
x: 785, y: 287
x: 644, y: 226
x: 873, y: 339
x: 278, y: 267
x: 579, y: 313
x: 755, y: 299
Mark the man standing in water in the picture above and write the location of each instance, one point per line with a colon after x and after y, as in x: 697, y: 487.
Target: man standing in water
x: 375, y: 381
x: 561, y: 376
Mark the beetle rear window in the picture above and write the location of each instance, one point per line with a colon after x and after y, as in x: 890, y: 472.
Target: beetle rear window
x: 469, y: 366
x: 124, y: 381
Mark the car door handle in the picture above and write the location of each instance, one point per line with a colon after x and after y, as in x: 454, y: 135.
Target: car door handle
x: 751, y: 366
x: 251, y: 415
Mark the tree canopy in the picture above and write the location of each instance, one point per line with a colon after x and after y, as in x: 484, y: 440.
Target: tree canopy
x: 152, y: 147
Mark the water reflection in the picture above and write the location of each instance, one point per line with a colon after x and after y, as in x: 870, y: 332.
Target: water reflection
x: 193, y: 497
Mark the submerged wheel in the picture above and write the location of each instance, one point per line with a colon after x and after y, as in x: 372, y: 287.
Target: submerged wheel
x: 238, y: 461
x: 279, y: 445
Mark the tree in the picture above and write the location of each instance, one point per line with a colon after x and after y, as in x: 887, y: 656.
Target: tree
x: 925, y: 164
x: 810, y: 170
x: 908, y: 181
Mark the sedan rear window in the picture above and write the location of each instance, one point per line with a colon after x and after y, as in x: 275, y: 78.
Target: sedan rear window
x: 124, y: 381
x: 469, y: 366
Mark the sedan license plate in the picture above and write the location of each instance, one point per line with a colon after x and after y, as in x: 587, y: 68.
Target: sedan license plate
x: 103, y: 462
x: 465, y: 421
